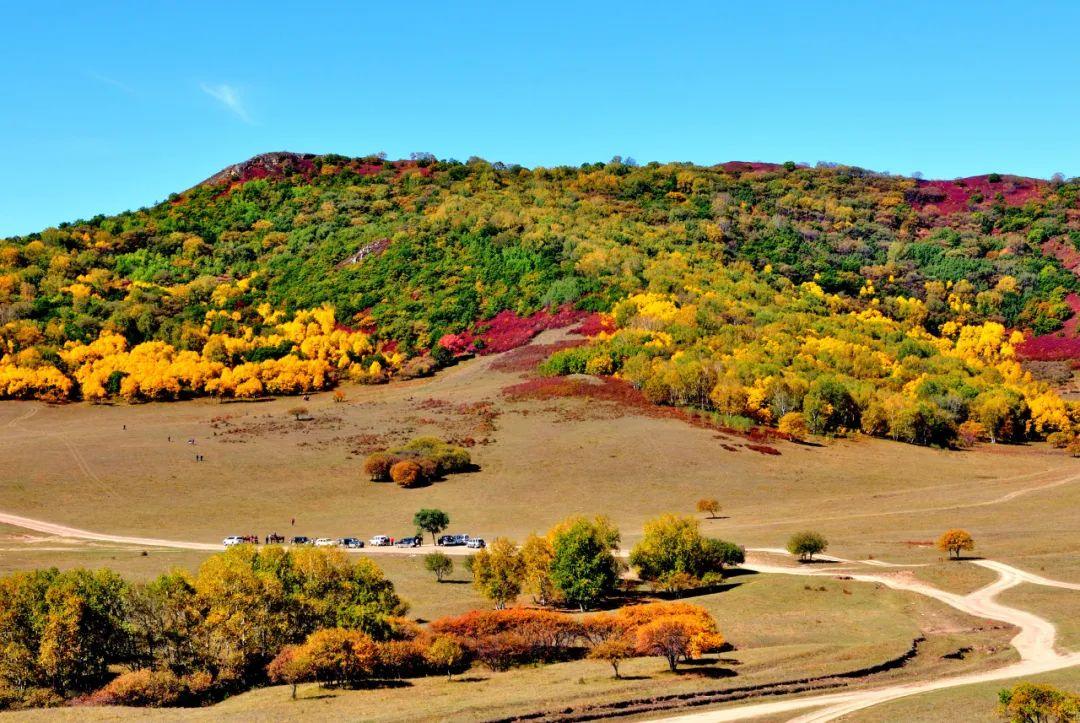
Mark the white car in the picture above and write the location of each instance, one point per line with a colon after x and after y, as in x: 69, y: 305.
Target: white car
x: 232, y: 540
x: 476, y: 543
x: 325, y: 542
x: 380, y: 541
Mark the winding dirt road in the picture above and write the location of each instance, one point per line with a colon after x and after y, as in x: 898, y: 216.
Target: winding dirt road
x: 1034, y: 643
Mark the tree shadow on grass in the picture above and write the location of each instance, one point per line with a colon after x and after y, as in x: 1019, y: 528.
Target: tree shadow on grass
x: 704, y: 669
x: 470, y: 679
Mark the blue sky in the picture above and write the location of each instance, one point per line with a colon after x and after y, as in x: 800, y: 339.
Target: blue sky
x: 107, y: 106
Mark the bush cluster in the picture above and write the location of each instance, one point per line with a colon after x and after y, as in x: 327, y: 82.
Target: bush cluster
x: 419, y: 462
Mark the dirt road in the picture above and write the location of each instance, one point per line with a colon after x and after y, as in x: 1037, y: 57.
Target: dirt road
x: 75, y: 533
x: 1034, y: 643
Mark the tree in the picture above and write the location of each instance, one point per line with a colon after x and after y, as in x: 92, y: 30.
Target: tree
x: 672, y: 544
x: 709, y: 506
x: 498, y: 571
x: 807, y: 544
x: 613, y: 651
x: 298, y: 412
x: 339, y: 656
x: 290, y: 668
x: 955, y: 541
x: 445, y: 652
x: 1038, y: 703
x: 582, y: 566
x: 440, y: 564
x: 536, y: 554
x: 431, y: 520
x: 668, y: 637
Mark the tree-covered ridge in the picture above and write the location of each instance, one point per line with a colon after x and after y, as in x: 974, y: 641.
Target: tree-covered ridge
x: 757, y: 347
x: 409, y: 251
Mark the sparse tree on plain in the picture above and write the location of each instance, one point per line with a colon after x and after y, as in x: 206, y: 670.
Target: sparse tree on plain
x: 955, y: 541
x: 709, y: 506
x: 440, y: 564
x: 298, y: 412
x: 807, y: 544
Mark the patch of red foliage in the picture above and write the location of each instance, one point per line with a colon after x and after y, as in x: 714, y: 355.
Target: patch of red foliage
x: 1064, y: 252
x: 506, y: 330
x: 595, y: 324
x: 1061, y: 345
x: 954, y: 196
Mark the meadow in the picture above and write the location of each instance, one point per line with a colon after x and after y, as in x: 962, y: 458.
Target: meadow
x: 130, y: 470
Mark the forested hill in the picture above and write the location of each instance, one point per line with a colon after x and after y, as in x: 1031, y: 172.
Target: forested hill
x: 288, y: 271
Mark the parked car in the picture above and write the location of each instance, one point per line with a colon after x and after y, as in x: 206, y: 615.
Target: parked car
x: 352, y: 543
x: 300, y: 540
x: 325, y: 542
x: 409, y: 542
x: 233, y: 540
x: 454, y: 540
x: 476, y: 543
x: 380, y: 541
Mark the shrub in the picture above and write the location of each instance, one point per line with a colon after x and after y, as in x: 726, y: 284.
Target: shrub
x: 378, y: 464
x: 28, y: 698
x: 1036, y: 702
x: 445, y: 653
x: 536, y: 635
x: 970, y: 433
x: 794, y: 425
x: 401, y: 659
x: 407, y: 473
x: 144, y: 688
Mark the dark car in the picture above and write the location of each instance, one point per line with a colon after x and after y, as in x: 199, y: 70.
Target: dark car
x: 352, y: 543
x: 409, y: 542
x: 454, y: 540
x: 300, y: 540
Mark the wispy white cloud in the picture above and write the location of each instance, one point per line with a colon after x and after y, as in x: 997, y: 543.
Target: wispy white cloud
x: 229, y: 97
x: 107, y: 80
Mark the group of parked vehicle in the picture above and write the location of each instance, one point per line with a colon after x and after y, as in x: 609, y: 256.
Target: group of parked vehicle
x: 355, y: 543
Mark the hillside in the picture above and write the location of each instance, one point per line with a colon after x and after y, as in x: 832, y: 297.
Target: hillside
x: 894, y: 305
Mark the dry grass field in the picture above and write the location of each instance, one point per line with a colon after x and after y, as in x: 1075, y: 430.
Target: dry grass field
x: 130, y: 470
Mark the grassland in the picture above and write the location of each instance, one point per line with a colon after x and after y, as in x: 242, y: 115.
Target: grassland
x: 129, y: 469
x: 781, y: 628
